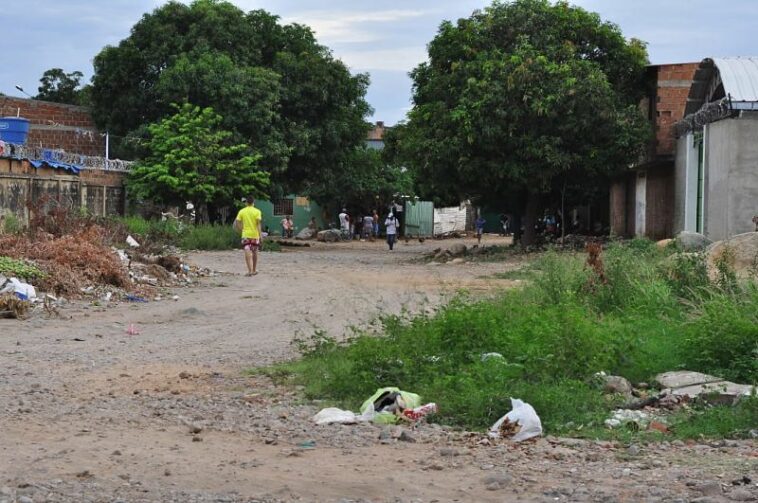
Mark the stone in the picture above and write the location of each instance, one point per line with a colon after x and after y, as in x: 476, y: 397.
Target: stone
x: 406, y: 437
x: 710, y: 488
x: 742, y: 495
x: 329, y: 236
x: 742, y: 255
x: 497, y: 481
x: 458, y: 261
x: 617, y: 385
x: 692, y: 241
x: 25, y: 499
x: 458, y: 249
x: 663, y: 243
x: 633, y: 450
x: 449, y: 452
x: 195, y: 429
x: 306, y: 234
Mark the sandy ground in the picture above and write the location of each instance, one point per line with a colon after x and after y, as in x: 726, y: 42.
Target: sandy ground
x: 89, y: 413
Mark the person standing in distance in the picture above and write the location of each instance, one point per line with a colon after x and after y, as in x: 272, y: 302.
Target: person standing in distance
x: 392, y: 225
x: 248, y: 222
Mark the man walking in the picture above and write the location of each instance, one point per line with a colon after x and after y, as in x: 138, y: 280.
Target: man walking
x: 392, y: 225
x: 344, y: 223
x: 248, y: 222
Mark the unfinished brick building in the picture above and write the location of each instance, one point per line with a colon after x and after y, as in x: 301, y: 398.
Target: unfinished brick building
x: 642, y: 199
x: 56, y: 125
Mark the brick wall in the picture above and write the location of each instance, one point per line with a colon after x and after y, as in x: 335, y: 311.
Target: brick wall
x: 56, y: 125
x: 672, y: 88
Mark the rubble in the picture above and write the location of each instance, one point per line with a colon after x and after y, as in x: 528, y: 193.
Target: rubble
x: 711, y: 389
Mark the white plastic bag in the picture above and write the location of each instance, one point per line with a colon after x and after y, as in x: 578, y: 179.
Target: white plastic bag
x: 524, y: 415
x: 23, y: 291
x: 334, y: 415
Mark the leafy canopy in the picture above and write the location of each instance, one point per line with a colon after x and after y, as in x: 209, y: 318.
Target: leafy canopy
x: 364, y: 182
x: 61, y: 87
x: 276, y: 88
x: 191, y: 159
x: 519, y: 95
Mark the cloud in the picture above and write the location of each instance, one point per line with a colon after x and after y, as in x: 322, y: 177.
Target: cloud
x: 402, y: 59
x: 335, y: 27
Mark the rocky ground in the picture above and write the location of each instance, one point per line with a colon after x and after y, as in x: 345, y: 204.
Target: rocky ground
x: 89, y: 413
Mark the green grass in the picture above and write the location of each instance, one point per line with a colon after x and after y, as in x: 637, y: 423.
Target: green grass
x: 655, y: 313
x: 206, y: 237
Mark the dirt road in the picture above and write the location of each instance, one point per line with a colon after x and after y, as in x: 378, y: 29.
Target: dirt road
x: 89, y: 413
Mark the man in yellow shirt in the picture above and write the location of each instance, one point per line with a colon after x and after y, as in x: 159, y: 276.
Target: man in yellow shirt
x: 248, y: 222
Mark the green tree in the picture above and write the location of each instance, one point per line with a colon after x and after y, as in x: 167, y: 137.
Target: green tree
x: 61, y: 87
x: 189, y: 158
x: 520, y: 98
x: 276, y: 87
x: 363, y: 182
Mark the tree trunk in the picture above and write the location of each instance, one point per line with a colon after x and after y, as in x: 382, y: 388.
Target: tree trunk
x: 530, y: 218
x: 563, y: 212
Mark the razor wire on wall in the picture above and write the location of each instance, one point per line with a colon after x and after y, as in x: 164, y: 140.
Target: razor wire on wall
x: 711, y: 112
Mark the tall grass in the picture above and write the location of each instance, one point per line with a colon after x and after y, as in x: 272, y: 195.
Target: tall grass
x: 655, y: 312
x: 189, y: 237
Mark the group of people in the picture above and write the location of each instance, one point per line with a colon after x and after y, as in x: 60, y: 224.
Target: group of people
x: 367, y: 226
x: 249, y: 222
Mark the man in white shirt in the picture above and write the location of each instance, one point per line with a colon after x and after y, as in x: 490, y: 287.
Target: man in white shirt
x: 344, y: 222
x: 392, y: 226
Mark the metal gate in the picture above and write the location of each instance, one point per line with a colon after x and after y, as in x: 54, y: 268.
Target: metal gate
x: 419, y: 218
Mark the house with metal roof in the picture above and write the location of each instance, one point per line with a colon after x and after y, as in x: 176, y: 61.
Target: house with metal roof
x: 716, y: 162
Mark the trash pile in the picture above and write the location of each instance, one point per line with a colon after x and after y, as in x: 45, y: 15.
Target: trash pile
x: 69, y: 262
x: 392, y: 406
x: 82, y: 265
x: 386, y: 406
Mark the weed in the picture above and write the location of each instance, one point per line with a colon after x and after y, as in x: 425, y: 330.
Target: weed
x: 554, y: 335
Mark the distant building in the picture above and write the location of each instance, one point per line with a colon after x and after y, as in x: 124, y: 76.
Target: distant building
x: 375, y: 138
x: 717, y: 150
x: 641, y: 200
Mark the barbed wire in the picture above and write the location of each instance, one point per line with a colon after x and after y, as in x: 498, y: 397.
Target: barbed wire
x: 711, y: 112
x: 57, y: 155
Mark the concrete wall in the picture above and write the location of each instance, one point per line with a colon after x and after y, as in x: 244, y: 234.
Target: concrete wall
x: 685, y: 185
x: 56, y: 125
x: 731, y: 184
x: 101, y: 193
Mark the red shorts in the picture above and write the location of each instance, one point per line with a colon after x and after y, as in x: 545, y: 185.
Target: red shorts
x: 251, y: 244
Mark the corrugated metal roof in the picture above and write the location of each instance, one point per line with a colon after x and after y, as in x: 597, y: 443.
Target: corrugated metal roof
x: 740, y: 77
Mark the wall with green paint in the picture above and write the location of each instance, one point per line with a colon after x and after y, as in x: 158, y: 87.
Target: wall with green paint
x: 302, y: 211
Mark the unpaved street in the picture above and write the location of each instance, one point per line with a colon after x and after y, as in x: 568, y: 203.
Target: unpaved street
x: 89, y: 413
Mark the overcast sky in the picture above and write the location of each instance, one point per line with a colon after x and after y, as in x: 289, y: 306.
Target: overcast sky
x: 386, y: 39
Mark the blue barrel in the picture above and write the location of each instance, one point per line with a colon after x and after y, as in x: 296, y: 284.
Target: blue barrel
x: 14, y: 129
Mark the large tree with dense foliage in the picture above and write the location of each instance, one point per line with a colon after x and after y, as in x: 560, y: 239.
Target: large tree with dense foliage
x: 61, y: 87
x: 190, y: 158
x: 521, y: 97
x: 277, y: 89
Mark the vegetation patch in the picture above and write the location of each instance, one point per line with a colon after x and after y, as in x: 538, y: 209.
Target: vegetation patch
x: 639, y: 312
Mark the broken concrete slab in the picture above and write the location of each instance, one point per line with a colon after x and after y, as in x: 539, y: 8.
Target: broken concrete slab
x: 717, y: 393
x: 711, y: 389
x: 682, y: 378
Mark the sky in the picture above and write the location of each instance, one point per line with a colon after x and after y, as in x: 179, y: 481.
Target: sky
x: 385, y: 39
